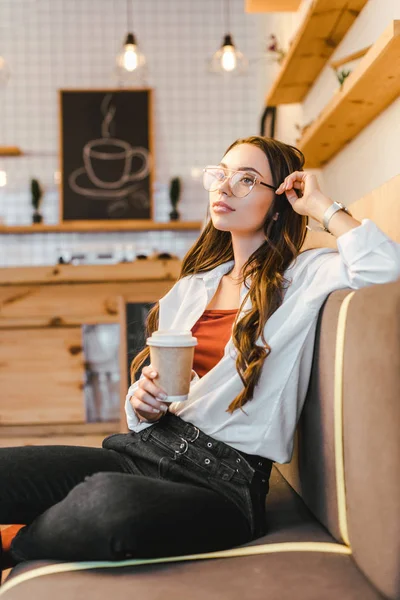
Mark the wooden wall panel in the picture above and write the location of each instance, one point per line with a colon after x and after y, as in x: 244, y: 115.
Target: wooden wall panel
x: 381, y: 205
x: 72, y: 304
x: 42, y: 365
x: 42, y: 375
x: 139, y: 270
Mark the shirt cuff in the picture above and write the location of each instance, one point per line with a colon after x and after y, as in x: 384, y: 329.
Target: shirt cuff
x: 134, y: 423
x: 360, y: 241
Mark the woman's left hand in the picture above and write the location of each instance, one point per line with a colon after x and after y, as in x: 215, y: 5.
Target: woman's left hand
x: 307, y: 183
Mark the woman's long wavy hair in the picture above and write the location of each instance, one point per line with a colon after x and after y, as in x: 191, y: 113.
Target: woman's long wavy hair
x: 284, y: 238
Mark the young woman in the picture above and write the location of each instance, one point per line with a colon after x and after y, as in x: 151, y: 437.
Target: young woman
x: 193, y: 476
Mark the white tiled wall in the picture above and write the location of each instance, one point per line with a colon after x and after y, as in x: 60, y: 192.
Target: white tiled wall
x: 53, y: 44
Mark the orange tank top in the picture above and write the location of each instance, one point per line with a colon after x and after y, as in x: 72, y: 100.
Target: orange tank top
x: 212, y: 331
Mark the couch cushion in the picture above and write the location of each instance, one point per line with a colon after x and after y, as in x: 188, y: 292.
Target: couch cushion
x: 288, y: 518
x: 282, y: 574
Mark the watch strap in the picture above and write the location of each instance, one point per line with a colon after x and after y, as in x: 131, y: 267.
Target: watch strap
x: 330, y: 211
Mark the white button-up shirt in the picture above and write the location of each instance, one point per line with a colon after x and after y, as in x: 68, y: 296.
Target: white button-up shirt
x: 267, y: 423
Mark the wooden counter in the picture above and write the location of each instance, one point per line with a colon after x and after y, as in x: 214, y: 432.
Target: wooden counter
x: 42, y: 364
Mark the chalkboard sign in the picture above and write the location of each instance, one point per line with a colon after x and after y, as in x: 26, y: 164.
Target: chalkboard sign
x: 136, y: 314
x: 106, y: 155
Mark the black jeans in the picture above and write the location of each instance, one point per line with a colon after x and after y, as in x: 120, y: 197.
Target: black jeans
x: 168, y: 490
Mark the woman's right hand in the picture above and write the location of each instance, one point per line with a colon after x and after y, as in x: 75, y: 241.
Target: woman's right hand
x: 147, y: 401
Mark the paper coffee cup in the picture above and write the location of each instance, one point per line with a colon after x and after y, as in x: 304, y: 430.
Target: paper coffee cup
x: 171, y: 355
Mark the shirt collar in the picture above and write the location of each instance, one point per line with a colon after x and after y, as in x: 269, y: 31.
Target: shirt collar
x: 218, y: 271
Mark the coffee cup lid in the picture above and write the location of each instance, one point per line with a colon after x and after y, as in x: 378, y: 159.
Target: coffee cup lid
x: 172, y: 337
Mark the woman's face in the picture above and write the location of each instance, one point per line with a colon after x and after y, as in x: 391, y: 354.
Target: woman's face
x: 249, y: 212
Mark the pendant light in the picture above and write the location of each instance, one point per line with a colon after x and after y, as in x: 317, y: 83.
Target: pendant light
x: 228, y: 59
x: 130, y: 60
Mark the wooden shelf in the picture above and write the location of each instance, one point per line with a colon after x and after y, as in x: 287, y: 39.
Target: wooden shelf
x: 335, y: 64
x: 10, y: 151
x: 93, y: 226
x: 264, y: 6
x: 371, y: 87
x: 322, y: 30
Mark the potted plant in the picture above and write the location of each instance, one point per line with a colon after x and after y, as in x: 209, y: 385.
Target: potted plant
x: 341, y: 75
x: 36, y: 194
x: 174, y: 194
x: 274, y: 50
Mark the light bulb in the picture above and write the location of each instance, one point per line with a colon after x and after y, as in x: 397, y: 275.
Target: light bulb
x: 130, y: 58
x: 3, y: 178
x: 228, y: 58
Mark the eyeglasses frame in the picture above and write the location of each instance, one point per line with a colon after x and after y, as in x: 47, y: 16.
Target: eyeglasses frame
x: 256, y: 179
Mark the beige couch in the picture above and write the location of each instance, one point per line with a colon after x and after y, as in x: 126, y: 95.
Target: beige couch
x: 333, y: 512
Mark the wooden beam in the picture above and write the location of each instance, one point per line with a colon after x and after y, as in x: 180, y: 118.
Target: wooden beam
x: 322, y: 30
x: 366, y: 92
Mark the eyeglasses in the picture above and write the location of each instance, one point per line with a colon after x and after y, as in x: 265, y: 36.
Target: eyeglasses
x: 240, y: 182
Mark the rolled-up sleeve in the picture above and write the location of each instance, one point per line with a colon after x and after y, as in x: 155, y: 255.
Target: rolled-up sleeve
x: 365, y: 256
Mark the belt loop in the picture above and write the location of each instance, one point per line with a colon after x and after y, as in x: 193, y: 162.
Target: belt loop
x: 145, y: 434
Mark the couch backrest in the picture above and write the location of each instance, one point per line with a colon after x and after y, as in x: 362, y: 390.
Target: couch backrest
x: 346, y: 463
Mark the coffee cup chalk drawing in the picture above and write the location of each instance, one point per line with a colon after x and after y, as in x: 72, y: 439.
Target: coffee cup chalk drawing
x: 113, y: 177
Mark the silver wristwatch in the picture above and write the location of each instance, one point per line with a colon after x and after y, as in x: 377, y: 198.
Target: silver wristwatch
x: 334, y: 207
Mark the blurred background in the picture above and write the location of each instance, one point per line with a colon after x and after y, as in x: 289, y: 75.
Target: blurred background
x: 48, y: 45
x: 320, y: 74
